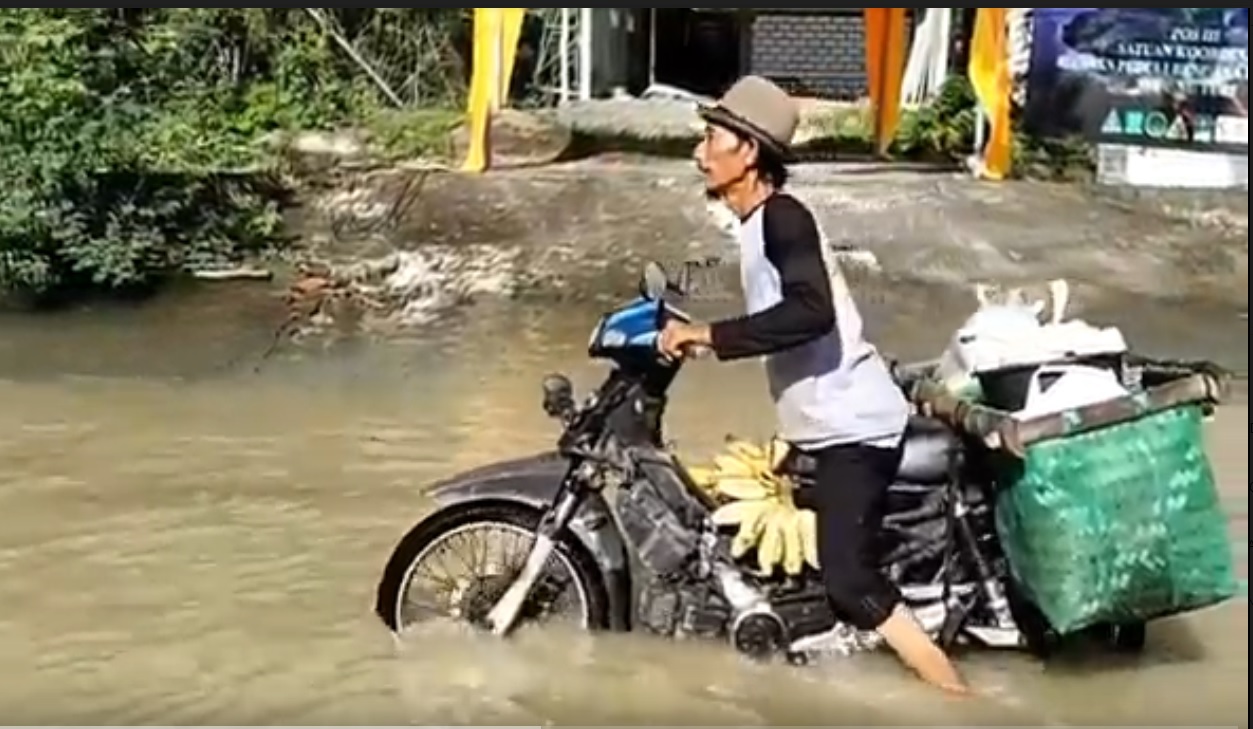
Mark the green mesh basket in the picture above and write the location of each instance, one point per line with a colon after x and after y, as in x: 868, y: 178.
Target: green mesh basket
x: 1118, y: 525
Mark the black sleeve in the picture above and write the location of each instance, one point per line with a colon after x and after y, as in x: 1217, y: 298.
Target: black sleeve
x: 794, y: 247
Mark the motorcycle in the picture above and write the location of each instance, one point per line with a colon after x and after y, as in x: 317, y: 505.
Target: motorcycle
x: 610, y: 531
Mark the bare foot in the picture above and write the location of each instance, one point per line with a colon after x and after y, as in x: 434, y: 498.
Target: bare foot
x: 917, y: 651
x: 958, y: 690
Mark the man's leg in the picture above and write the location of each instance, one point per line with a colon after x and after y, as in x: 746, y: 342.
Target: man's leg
x: 851, y: 496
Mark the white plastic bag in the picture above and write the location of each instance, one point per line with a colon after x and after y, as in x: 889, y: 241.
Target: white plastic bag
x: 1002, y: 320
x: 1006, y: 331
x: 1070, y: 387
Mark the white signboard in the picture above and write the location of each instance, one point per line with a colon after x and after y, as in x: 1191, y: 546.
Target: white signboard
x: 1171, y: 168
x: 1232, y: 130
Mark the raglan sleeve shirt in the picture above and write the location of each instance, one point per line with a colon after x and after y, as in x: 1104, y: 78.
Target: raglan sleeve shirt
x: 806, y: 311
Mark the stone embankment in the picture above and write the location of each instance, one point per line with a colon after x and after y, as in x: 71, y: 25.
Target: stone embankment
x: 395, y: 247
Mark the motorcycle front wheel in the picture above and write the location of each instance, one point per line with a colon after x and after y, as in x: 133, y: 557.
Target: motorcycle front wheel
x: 458, y: 563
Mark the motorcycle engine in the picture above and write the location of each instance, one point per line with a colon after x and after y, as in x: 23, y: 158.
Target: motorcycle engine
x: 675, y: 610
x: 653, y: 512
x: 804, y: 609
x: 694, y: 610
x: 760, y: 635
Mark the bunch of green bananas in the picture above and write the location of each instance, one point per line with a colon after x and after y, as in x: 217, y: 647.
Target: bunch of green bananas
x: 758, y: 500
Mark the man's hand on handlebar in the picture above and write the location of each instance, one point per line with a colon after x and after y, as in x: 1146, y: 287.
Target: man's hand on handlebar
x: 682, y: 340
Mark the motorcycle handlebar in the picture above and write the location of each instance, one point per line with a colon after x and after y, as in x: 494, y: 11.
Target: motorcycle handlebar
x: 690, y: 351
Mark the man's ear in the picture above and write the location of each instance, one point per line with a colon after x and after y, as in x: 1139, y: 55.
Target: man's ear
x: 752, y: 150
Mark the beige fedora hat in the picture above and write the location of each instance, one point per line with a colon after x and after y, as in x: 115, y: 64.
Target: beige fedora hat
x: 757, y: 108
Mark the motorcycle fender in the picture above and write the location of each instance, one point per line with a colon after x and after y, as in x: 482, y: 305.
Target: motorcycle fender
x: 533, y: 482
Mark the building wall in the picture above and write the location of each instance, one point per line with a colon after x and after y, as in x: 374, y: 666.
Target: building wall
x: 815, y: 53
x: 810, y: 52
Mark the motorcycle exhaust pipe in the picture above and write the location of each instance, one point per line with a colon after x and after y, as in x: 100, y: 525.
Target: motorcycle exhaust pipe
x: 738, y: 593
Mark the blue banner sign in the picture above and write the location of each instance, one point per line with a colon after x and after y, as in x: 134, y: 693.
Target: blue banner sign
x: 1159, y: 77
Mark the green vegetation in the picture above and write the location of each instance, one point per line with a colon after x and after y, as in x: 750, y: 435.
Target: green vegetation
x: 944, y: 131
x: 138, y: 144
x: 399, y: 134
x: 132, y: 139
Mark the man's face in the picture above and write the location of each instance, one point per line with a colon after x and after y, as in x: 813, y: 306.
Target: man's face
x: 724, y: 158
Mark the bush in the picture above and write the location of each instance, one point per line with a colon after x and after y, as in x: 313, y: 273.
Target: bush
x: 946, y: 128
x: 131, y: 137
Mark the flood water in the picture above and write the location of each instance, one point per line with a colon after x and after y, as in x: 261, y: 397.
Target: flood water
x: 192, y: 538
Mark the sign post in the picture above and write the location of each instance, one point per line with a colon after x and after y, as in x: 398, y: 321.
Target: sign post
x: 1143, y: 81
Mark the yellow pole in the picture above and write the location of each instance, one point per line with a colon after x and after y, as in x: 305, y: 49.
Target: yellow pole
x: 496, y: 35
x: 886, y: 48
x: 511, y: 22
x: 993, y: 87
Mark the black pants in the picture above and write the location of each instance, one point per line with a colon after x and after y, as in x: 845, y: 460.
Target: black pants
x: 850, y: 496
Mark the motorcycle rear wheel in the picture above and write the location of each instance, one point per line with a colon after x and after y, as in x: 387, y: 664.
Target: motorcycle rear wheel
x: 570, y: 558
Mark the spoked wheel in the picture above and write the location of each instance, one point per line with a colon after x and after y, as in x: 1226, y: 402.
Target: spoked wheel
x: 457, y: 565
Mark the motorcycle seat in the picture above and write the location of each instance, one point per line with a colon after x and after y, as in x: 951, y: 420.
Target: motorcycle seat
x: 927, y: 449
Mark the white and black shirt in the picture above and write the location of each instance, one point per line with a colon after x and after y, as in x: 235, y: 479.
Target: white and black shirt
x: 829, y: 384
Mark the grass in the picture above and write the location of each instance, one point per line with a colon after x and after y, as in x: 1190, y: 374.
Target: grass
x: 406, y: 134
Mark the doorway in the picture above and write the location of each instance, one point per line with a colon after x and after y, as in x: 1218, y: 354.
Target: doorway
x: 700, y: 51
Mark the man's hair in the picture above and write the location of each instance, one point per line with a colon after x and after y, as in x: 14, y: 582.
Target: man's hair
x: 771, y: 168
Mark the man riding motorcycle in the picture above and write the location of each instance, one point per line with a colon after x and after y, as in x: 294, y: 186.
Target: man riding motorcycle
x: 834, y: 396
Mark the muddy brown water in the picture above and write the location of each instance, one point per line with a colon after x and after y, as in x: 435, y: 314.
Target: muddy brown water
x: 190, y: 539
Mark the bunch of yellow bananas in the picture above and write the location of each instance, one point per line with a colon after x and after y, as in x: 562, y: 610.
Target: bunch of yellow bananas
x: 758, y: 500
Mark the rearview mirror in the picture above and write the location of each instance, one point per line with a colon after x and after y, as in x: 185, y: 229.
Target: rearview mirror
x: 653, y: 281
